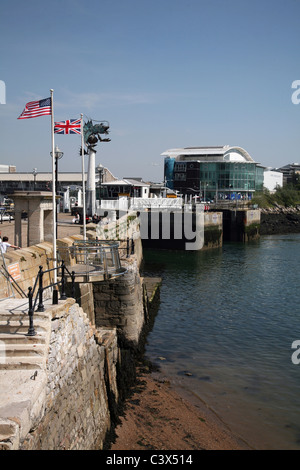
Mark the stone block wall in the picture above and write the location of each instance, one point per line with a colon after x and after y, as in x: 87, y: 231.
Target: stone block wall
x: 118, y: 303
x: 251, y: 225
x: 81, y: 386
x: 28, y: 261
x: 213, y: 230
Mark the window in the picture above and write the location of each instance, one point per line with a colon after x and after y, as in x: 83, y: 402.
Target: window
x: 180, y: 176
x: 180, y: 167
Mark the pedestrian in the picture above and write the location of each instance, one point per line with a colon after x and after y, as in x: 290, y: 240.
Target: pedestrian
x: 76, y: 219
x: 4, y: 245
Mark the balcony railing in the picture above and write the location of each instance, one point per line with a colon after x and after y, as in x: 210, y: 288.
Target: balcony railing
x: 97, y: 257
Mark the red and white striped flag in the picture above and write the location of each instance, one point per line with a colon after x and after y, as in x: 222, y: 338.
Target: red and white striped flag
x: 36, y: 108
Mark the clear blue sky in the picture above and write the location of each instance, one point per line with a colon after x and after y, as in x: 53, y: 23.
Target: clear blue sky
x: 164, y: 73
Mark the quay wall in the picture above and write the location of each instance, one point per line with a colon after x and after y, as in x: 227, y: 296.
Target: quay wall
x: 177, y: 230
x: 213, y: 230
x: 81, y: 379
x: 89, y: 359
x: 241, y: 225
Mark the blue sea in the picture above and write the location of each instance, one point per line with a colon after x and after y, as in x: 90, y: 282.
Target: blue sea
x: 224, y: 331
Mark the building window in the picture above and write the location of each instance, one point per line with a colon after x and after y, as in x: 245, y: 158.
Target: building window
x: 180, y: 177
x: 180, y: 167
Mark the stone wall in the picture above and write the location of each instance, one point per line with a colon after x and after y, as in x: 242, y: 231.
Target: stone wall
x: 81, y: 388
x: 27, y: 262
x: 213, y: 230
x: 90, y: 356
x: 118, y: 303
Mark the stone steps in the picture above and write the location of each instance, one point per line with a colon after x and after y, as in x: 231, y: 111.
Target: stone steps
x: 22, y: 350
x: 15, y: 327
x: 17, y: 350
x: 23, y: 317
x: 23, y: 362
x: 19, y: 338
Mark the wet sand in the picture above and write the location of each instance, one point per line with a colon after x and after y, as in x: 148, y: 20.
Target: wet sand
x: 158, y: 417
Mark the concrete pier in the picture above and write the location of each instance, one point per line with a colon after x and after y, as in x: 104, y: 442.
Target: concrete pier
x: 181, y: 230
x: 241, y: 225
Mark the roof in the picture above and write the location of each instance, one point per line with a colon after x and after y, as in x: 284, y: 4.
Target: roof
x: 41, y: 176
x: 126, y: 182
x: 218, y: 153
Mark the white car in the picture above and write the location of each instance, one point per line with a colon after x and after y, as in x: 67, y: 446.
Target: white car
x: 5, y: 215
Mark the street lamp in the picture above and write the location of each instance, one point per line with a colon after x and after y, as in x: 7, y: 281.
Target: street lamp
x: 58, y: 154
x: 100, y: 170
x: 34, y: 172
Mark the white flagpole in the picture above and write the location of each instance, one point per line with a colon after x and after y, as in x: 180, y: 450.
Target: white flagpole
x: 53, y: 189
x: 83, y: 181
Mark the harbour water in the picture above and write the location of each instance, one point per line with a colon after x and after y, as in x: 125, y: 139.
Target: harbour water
x: 224, y: 332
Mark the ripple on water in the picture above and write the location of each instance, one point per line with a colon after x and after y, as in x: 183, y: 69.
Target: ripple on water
x: 231, y: 316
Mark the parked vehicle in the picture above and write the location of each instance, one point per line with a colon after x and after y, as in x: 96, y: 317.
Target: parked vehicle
x: 4, y: 215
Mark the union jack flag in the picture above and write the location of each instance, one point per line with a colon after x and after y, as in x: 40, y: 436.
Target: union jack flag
x: 70, y: 126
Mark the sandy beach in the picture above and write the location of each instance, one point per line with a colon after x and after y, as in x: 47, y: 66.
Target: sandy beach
x: 158, y: 417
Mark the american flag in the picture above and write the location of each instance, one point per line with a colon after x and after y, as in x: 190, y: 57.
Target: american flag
x: 70, y: 126
x: 36, y: 108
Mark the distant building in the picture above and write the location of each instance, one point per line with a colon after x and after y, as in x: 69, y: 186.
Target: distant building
x: 42, y: 181
x: 7, y: 168
x: 213, y: 172
x: 289, y: 172
x: 126, y: 187
x: 273, y: 178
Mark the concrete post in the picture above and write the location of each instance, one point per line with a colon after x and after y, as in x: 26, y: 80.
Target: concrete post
x: 18, y: 228
x: 39, y: 208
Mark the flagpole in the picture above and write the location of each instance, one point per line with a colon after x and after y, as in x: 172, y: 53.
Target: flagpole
x: 83, y: 182
x: 53, y: 189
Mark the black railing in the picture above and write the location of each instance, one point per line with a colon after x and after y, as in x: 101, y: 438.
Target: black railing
x: 39, y: 285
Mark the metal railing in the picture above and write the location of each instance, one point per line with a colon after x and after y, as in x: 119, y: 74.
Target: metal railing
x: 39, y: 286
x: 101, y: 255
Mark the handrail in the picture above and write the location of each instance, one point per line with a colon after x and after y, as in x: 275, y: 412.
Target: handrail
x: 101, y: 255
x: 41, y: 289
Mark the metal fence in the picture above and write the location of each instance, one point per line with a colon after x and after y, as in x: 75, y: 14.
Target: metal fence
x: 100, y: 255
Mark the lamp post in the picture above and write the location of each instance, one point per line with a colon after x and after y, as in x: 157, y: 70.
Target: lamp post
x: 58, y: 154
x: 34, y: 172
x: 100, y: 170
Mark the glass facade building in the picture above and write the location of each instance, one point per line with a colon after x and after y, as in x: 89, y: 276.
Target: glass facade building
x: 211, y: 173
